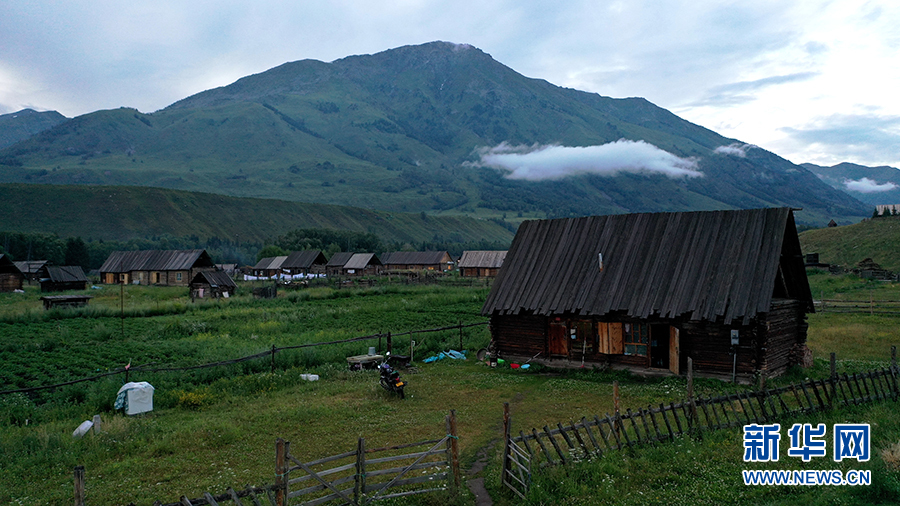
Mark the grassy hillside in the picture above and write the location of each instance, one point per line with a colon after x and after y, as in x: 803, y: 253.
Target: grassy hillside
x: 877, y: 239
x: 120, y: 212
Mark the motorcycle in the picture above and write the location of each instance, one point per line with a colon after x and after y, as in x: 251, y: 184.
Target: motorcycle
x: 390, y: 378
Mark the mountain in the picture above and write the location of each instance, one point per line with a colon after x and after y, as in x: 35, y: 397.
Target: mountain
x: 18, y: 126
x: 409, y: 129
x: 122, y: 213
x: 872, y: 185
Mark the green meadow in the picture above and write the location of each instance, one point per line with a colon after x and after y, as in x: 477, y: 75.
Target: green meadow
x: 215, y: 428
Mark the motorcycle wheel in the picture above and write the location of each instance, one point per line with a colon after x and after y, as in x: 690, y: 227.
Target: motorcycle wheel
x: 402, y: 395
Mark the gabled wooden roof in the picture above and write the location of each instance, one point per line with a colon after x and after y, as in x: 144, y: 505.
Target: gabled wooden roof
x: 156, y: 260
x: 30, y: 266
x: 304, y: 259
x: 482, y: 259
x: 8, y: 266
x: 362, y: 260
x: 339, y: 259
x: 214, y: 278
x: 63, y: 274
x: 699, y: 265
x: 269, y: 263
x: 414, y: 257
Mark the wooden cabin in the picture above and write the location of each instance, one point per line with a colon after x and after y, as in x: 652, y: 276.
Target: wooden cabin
x: 335, y: 265
x: 362, y: 264
x: 304, y: 263
x: 647, y: 291
x: 60, y: 279
x: 438, y: 261
x: 155, y: 267
x: 269, y: 267
x: 212, y: 284
x: 481, y: 264
x: 31, y: 269
x: 11, y: 278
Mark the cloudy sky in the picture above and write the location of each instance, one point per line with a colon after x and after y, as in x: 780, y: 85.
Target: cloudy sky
x: 813, y: 81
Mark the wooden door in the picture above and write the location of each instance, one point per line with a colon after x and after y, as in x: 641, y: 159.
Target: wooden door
x: 674, y: 349
x: 558, y: 341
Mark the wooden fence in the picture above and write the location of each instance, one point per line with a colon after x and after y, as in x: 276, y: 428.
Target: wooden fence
x: 871, y: 306
x: 591, y: 438
x: 358, y: 477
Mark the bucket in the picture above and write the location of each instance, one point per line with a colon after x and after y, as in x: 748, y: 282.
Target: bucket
x: 371, y: 350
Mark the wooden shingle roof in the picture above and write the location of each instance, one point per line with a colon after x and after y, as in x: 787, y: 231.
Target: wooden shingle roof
x: 214, y: 279
x: 414, y: 257
x: 339, y: 259
x: 269, y: 263
x: 156, y: 260
x: 64, y: 274
x: 304, y: 259
x: 7, y: 265
x: 482, y: 259
x: 701, y: 265
x: 362, y: 260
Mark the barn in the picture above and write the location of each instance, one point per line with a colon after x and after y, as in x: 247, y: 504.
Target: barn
x: 11, y: 278
x: 212, y: 284
x: 155, y: 267
x: 438, y: 261
x: 60, y: 279
x: 646, y: 291
x: 481, y: 264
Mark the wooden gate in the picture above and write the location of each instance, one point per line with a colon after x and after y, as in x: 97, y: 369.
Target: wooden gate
x: 362, y: 479
x: 516, y: 460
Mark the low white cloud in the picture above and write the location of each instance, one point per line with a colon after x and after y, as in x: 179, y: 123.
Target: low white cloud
x: 866, y: 185
x: 539, y: 162
x: 734, y: 149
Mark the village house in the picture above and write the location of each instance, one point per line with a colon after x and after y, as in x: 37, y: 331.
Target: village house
x: 335, y: 265
x: 304, y: 263
x: 155, y: 267
x: 11, y: 278
x: 60, y: 279
x: 212, y: 284
x: 362, y: 264
x: 439, y: 261
x: 480, y: 264
x: 31, y: 269
x: 647, y: 291
x: 269, y: 267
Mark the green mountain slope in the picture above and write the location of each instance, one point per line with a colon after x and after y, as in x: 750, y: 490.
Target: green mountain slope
x: 121, y: 212
x: 883, y: 186
x: 18, y: 126
x: 847, y: 246
x: 399, y: 131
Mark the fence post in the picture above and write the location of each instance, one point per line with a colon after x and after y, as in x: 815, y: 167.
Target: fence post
x: 454, y: 453
x: 79, y: 485
x: 692, y: 408
x: 616, y: 404
x: 280, y: 496
x: 506, y: 431
x: 390, y: 345
x: 273, y: 359
x: 894, y: 356
x: 360, y: 478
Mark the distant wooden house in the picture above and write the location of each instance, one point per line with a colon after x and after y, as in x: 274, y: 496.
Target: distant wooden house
x: 269, y: 267
x: 155, y: 267
x: 212, y: 284
x: 60, y: 279
x: 647, y: 291
x: 11, y: 278
x: 335, y: 265
x: 481, y: 264
x: 362, y: 264
x: 305, y: 263
x: 439, y: 261
x: 832, y: 224
x: 31, y: 269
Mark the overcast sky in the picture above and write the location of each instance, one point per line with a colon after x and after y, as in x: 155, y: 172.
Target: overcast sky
x: 813, y: 81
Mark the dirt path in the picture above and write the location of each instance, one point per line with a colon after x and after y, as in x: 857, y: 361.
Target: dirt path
x: 476, y: 485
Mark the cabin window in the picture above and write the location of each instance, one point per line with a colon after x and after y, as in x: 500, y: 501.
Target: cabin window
x: 178, y: 276
x: 636, y: 338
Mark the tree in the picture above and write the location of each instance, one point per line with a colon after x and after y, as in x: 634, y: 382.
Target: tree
x: 77, y: 253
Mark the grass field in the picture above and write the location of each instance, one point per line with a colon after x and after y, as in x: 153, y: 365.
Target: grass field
x: 215, y: 428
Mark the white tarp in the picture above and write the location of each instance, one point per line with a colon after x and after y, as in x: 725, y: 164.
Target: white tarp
x: 135, y: 398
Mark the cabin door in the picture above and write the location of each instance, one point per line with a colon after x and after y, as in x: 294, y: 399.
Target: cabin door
x: 659, y: 346
x: 558, y: 339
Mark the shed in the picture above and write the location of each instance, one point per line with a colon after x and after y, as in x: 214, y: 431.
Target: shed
x: 11, y: 278
x: 439, y: 261
x: 62, y: 278
x: 31, y: 269
x: 155, y: 267
x: 647, y: 291
x: 362, y: 264
x: 481, y: 264
x: 212, y: 284
x: 335, y: 265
